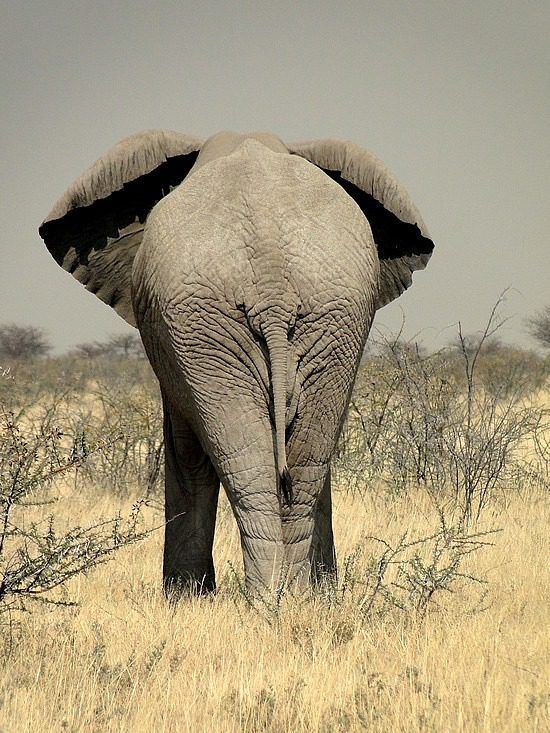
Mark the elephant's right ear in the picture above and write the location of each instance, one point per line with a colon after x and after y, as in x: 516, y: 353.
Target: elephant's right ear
x: 95, y: 229
x: 399, y: 233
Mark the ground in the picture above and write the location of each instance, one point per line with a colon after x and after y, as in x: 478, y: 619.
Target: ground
x: 125, y: 660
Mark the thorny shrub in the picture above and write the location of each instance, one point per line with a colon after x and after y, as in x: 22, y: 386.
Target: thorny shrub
x: 35, y: 556
x: 134, y: 416
x: 113, y: 401
x: 413, y: 422
x: 413, y: 574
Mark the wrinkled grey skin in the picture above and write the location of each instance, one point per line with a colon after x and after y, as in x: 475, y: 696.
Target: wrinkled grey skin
x: 253, y: 281
x: 256, y: 244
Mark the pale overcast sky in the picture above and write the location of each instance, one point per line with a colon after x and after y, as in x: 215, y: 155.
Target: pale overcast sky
x: 453, y: 96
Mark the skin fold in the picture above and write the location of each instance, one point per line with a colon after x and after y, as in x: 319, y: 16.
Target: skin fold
x: 253, y: 284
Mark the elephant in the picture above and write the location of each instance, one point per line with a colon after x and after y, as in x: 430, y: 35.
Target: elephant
x: 253, y: 270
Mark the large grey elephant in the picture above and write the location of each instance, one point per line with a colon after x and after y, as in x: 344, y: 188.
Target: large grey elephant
x: 253, y: 270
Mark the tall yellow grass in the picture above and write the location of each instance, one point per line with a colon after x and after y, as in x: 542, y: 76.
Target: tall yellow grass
x: 124, y: 660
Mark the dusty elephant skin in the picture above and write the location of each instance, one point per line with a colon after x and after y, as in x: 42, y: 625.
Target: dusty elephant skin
x: 253, y: 270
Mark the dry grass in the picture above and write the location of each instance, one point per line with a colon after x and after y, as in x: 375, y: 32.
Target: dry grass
x: 124, y: 660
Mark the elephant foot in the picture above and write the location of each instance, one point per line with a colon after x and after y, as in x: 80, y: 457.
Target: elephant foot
x: 302, y: 576
x: 324, y: 576
x: 192, y: 581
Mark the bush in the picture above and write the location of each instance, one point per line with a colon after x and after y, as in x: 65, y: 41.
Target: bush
x: 413, y: 574
x: 22, y: 343
x: 126, y: 345
x: 35, y: 557
x: 430, y: 420
x: 539, y: 327
x: 501, y: 369
x: 132, y: 417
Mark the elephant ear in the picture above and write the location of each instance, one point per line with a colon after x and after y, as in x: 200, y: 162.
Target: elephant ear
x: 96, y: 227
x: 400, y: 235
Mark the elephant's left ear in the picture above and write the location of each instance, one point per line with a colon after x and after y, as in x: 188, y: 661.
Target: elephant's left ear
x: 400, y: 234
x: 96, y: 227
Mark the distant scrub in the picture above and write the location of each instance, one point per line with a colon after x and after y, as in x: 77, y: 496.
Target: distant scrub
x: 456, y: 421
x: 539, y: 327
x: 22, y: 343
x: 109, y: 399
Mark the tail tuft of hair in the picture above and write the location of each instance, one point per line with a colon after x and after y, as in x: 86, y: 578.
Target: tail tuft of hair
x: 286, y: 486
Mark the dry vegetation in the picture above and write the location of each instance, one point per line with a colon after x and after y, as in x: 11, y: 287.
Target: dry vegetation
x: 440, y: 618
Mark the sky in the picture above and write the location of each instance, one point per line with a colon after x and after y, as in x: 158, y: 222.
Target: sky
x: 454, y: 97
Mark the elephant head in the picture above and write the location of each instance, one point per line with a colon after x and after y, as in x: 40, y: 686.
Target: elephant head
x: 252, y: 269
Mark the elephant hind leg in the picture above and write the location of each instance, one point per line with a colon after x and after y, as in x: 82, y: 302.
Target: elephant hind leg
x: 192, y: 488
x: 322, y: 552
x: 310, y: 555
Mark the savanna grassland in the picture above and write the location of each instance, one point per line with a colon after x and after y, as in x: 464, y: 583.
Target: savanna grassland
x: 440, y: 618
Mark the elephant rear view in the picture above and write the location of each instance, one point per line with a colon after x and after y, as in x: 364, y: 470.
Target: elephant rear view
x: 253, y: 270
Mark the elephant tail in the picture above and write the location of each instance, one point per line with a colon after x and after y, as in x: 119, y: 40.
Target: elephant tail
x: 277, y: 346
